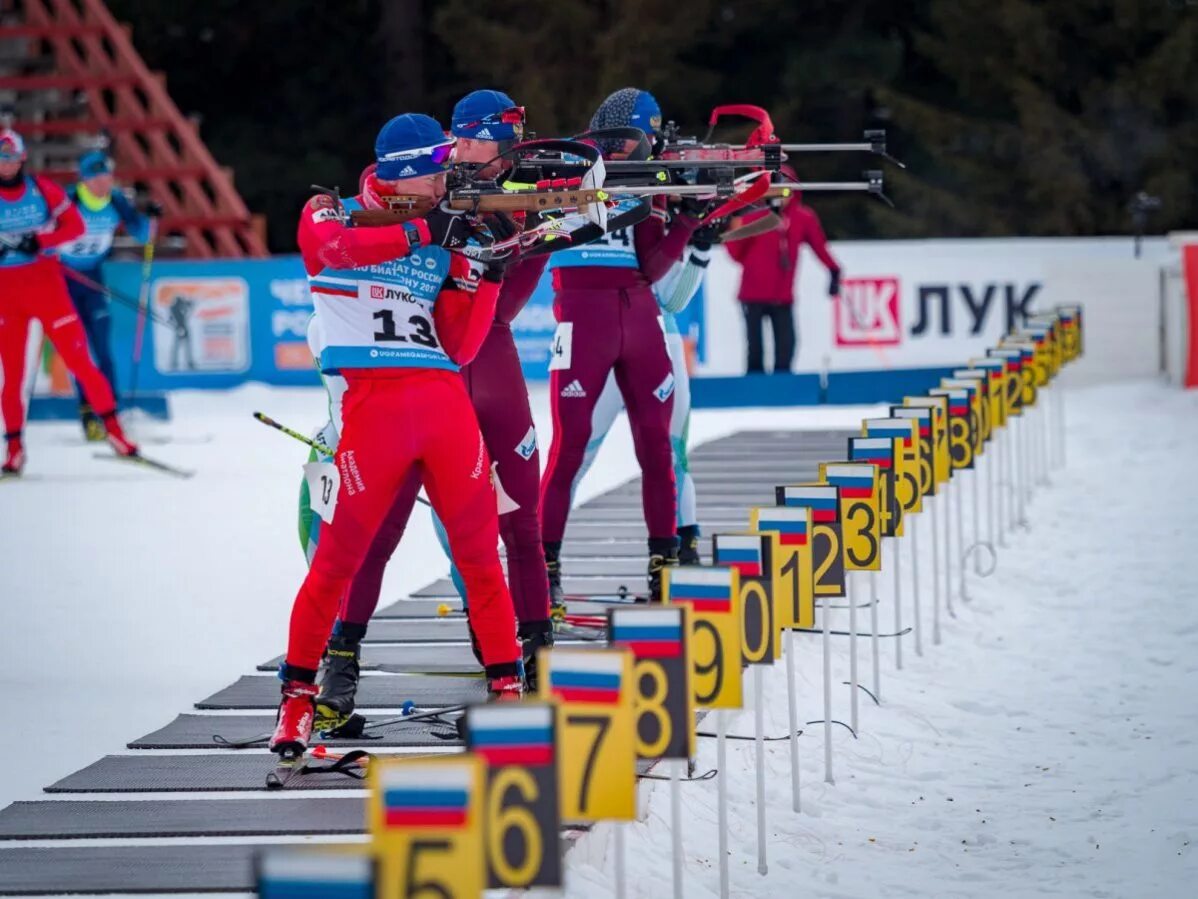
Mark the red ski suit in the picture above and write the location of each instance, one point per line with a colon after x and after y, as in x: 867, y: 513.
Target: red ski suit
x: 397, y: 418
x: 32, y: 287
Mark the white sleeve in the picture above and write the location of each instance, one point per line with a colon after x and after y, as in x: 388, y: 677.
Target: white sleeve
x: 681, y: 283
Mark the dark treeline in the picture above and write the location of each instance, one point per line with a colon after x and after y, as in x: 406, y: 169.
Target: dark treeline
x: 1014, y: 116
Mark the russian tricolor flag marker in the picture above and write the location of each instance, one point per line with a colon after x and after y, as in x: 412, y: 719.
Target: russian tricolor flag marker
x: 788, y: 522
x: 649, y: 633
x: 578, y: 676
x: 822, y: 501
x: 704, y: 589
x: 742, y: 552
x: 878, y: 450
x: 890, y: 428
x: 299, y: 874
x: 426, y: 795
x: 509, y: 734
x: 855, y: 481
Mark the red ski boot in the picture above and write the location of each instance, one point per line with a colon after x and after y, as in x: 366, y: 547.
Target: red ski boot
x: 121, y: 444
x: 14, y: 459
x: 296, y: 714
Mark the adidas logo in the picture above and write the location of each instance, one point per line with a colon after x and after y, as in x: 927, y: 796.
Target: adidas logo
x: 573, y: 389
x: 407, y: 172
x: 483, y: 134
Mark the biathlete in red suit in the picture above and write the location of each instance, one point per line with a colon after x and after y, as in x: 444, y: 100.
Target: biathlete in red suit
x: 399, y: 313
x: 495, y: 382
x: 608, y: 320
x: 35, y: 215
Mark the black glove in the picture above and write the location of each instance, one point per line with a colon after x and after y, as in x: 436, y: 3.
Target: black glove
x: 29, y: 245
x: 695, y: 207
x: 834, y: 283
x: 496, y: 268
x: 153, y: 209
x: 446, y: 228
x: 705, y: 236
x: 501, y: 226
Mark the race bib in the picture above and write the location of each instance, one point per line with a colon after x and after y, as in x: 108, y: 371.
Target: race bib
x: 324, y: 482
x: 560, y: 349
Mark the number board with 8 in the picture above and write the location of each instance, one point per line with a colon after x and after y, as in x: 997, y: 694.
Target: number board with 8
x: 665, y: 703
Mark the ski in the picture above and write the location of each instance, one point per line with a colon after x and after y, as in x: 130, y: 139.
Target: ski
x: 290, y: 764
x: 621, y: 596
x: 145, y: 462
x: 582, y: 632
x: 430, y: 714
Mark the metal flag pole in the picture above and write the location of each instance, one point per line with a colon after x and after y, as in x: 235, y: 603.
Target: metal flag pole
x: 759, y: 714
x: 827, y: 613
x: 915, y: 585
x: 852, y: 601
x: 676, y: 768
x: 964, y: 555
x: 621, y: 876
x: 955, y: 488
x: 898, y: 602
x: 792, y: 712
x: 721, y: 763
x: 977, y: 515
x: 936, y: 573
x: 873, y: 634
x: 993, y: 474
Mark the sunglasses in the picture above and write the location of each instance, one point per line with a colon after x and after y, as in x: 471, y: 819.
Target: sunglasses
x: 439, y: 155
x: 513, y: 116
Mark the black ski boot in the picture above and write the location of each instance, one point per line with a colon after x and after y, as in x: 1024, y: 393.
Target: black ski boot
x: 534, y: 635
x: 688, y: 550
x: 553, y: 567
x: 339, y: 687
x: 93, y: 427
x: 663, y: 552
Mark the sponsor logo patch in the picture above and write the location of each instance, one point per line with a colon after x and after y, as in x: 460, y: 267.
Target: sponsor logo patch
x: 528, y: 445
x: 665, y: 389
x: 407, y: 172
x: 574, y: 389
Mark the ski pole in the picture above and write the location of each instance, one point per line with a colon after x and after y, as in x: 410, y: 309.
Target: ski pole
x: 143, y: 304
x: 316, y: 445
x: 83, y: 279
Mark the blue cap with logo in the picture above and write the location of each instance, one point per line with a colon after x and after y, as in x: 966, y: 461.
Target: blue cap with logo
x: 628, y: 107
x: 95, y: 162
x: 12, y: 147
x: 488, y: 115
x: 411, y: 145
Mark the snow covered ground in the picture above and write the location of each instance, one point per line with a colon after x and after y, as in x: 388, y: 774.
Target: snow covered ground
x: 1047, y: 747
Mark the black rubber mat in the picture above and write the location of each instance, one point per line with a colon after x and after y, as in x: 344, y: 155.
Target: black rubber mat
x: 445, y: 658
x: 629, y: 510
x: 262, y: 692
x: 208, y: 772
x: 196, y: 732
x: 25, y: 871
x: 582, y: 586
x: 77, y: 818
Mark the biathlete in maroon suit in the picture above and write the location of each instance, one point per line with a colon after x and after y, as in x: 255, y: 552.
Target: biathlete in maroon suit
x: 608, y: 321
x: 397, y: 323
x: 35, y: 215
x: 495, y: 383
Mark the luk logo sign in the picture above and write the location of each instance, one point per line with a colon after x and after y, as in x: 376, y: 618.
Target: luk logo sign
x: 867, y: 312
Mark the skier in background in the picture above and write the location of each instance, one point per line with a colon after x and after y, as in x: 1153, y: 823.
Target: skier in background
x: 607, y: 322
x: 769, y: 264
x: 36, y: 216
x: 104, y: 210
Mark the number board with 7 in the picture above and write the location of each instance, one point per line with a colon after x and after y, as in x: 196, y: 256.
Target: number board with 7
x: 596, y: 731
x: 664, y: 703
x: 522, y: 812
x: 426, y: 823
x: 713, y: 595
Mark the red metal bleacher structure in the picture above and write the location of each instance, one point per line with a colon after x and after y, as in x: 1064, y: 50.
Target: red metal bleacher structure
x: 73, y: 75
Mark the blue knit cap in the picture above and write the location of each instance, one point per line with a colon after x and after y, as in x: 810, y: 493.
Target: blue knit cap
x: 628, y: 107
x: 479, y: 115
x: 95, y: 162
x: 411, y: 145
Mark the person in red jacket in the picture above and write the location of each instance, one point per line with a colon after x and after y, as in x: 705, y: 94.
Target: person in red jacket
x: 770, y: 264
x: 399, y: 315
x: 35, y: 216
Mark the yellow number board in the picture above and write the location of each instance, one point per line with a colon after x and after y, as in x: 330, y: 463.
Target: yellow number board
x: 790, y: 559
x: 827, y: 542
x: 713, y: 595
x: 860, y: 515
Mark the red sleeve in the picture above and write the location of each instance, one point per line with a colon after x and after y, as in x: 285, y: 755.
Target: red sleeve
x: 327, y: 242
x: 658, y: 247
x: 739, y: 249
x: 464, y: 310
x: 68, y: 223
x: 813, y: 233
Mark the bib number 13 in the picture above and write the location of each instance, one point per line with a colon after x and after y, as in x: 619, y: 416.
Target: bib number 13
x: 420, y: 332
